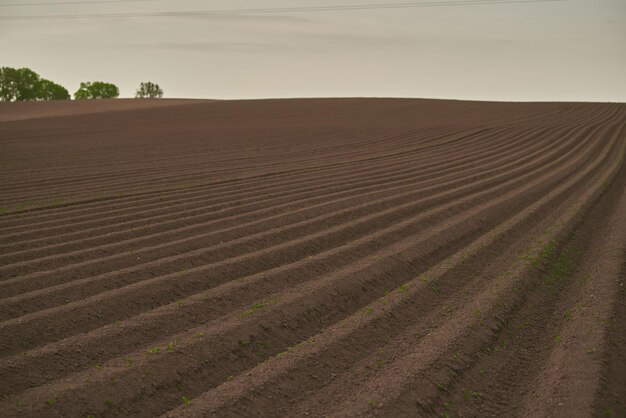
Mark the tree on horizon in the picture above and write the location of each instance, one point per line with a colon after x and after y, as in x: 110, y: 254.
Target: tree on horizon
x: 96, y: 90
x: 47, y: 90
x: 149, y: 90
x: 23, y: 84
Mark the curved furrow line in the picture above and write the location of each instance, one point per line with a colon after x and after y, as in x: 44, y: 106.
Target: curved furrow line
x: 377, y: 138
x: 344, y: 215
x: 200, y: 221
x: 595, y: 113
x: 196, y: 308
x: 199, y: 193
x: 346, y: 182
x: 370, y: 158
x: 411, y: 243
x: 284, y: 385
x: 556, y: 323
x: 13, y: 285
x: 547, y: 117
x: 607, y: 113
x: 169, y: 314
x: 424, y: 338
x: 241, y: 185
x: 190, y: 309
x: 517, y: 354
x: 552, y: 342
x: 394, y: 140
x: 155, y: 179
x: 82, y: 337
x: 98, y: 390
x: 444, y: 387
x: 493, y: 302
x: 339, y: 367
x: 222, y: 203
x: 152, y: 235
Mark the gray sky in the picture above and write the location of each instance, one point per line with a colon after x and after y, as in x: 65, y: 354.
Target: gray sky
x: 565, y: 51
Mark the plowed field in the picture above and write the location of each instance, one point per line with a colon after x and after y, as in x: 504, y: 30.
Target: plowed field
x: 321, y: 257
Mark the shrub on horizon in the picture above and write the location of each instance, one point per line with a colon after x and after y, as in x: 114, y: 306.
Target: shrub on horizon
x: 149, y: 90
x: 96, y: 90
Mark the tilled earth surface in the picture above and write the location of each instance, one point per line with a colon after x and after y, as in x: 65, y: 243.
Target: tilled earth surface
x: 319, y: 257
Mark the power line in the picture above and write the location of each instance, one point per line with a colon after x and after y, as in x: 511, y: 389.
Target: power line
x: 64, y: 3
x: 444, y: 3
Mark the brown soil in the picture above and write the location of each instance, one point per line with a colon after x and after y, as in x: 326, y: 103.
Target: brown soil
x: 32, y: 110
x: 321, y: 257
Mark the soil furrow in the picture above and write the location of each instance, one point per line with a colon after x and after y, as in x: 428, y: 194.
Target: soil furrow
x: 396, y: 174
x: 321, y: 257
x: 341, y: 200
x: 229, y: 190
x: 245, y: 399
x: 344, y: 285
x: 47, y: 297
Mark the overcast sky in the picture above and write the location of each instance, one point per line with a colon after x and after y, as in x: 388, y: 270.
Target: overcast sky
x: 562, y: 51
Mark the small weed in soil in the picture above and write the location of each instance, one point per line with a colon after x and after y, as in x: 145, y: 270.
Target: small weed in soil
x: 257, y: 307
